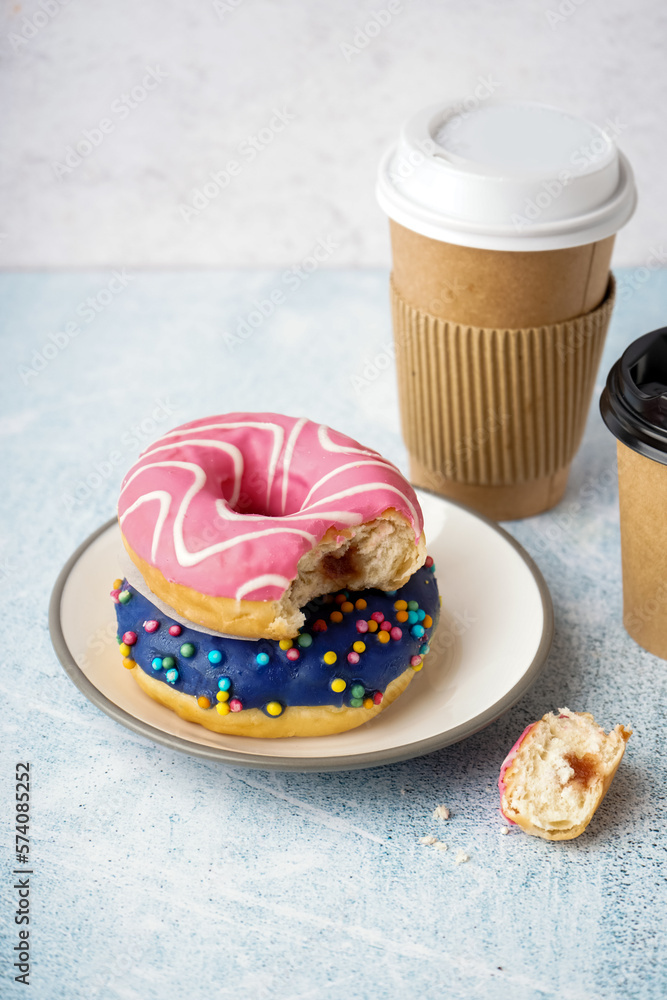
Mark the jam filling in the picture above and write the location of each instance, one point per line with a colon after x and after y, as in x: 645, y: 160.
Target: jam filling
x: 340, y: 567
x: 585, y: 768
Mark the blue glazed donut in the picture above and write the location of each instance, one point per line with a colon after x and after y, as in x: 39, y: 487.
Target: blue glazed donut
x: 354, y: 655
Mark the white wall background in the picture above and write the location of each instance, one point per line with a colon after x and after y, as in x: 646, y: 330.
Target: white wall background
x: 228, y: 64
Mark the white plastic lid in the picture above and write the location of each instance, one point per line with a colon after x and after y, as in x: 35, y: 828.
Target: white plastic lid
x: 511, y: 175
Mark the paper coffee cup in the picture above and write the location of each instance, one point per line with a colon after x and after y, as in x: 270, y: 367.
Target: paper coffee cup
x: 502, y: 221
x: 634, y: 407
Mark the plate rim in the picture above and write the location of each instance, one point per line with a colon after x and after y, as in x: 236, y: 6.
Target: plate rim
x: 367, y: 759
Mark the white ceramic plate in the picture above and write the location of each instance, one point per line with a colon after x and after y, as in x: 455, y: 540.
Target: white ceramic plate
x: 491, y: 644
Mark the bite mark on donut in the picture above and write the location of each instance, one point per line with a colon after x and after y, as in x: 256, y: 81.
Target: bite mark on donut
x: 379, y: 553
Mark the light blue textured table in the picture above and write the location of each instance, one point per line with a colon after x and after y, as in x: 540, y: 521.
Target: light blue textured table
x: 159, y: 875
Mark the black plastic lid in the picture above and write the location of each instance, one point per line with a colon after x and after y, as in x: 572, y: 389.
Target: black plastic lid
x: 634, y: 402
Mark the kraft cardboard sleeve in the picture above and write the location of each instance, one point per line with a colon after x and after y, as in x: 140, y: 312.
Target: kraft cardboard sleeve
x: 642, y: 489
x: 492, y: 416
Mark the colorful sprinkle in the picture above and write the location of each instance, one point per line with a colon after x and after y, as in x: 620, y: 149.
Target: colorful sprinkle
x: 396, y: 633
x: 262, y: 659
x: 413, y: 605
x: 175, y: 630
x: 117, y: 584
x: 187, y: 650
x: 383, y: 636
x: 373, y: 625
x: 215, y: 656
x: 428, y: 562
x: 125, y: 649
x: 357, y: 691
x: 203, y: 701
x: 417, y: 666
x: 424, y: 649
x: 114, y: 594
x: 415, y: 661
x: 274, y: 708
x: 293, y: 653
x: 335, y: 616
x: 172, y: 675
x: 151, y: 626
x: 390, y: 593
x: 338, y: 684
x: 305, y: 640
x: 400, y: 605
x: 340, y: 598
x: 285, y: 644
x: 223, y: 708
x: 168, y: 662
x: 347, y: 606
x: 156, y: 663
x: 421, y: 615
x: 412, y: 618
x: 359, y: 647
x: 124, y: 596
x: 352, y: 657
x: 427, y: 622
x: 362, y: 626
x: 330, y: 657
x: 417, y: 631
x: 361, y: 604
x: 402, y: 616
x: 320, y: 625
x: 222, y: 696
x: 356, y: 702
x: 224, y: 683
x: 377, y: 616
x: 377, y: 697
x: 385, y: 626
x: 235, y: 705
x: 368, y: 703
x: 129, y: 663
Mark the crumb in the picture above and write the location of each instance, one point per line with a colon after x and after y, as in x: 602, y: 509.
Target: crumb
x: 441, y: 812
x: 439, y: 846
x: 427, y: 841
x: 461, y: 857
x: 504, y: 830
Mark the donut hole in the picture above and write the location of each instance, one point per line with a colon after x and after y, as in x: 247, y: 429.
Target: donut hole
x: 248, y: 505
x: 250, y: 501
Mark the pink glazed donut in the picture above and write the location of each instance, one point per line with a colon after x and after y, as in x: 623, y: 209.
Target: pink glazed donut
x: 237, y: 521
